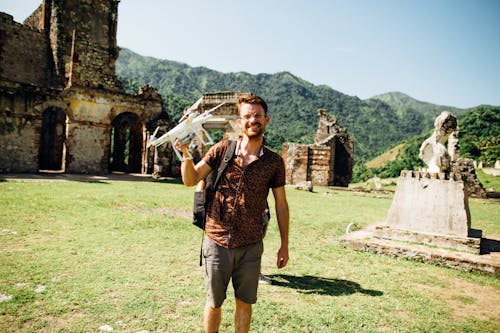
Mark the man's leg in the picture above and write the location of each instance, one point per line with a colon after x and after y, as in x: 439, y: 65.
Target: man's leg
x: 242, y: 316
x: 245, y: 283
x: 218, y: 268
x: 212, y: 318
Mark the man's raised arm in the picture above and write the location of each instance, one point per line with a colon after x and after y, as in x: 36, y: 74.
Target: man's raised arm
x: 191, y: 174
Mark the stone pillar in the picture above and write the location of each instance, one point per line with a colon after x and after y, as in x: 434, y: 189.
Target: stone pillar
x: 295, y: 157
x: 319, y: 169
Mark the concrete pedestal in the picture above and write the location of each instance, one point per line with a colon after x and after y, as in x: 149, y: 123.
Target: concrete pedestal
x: 429, y: 220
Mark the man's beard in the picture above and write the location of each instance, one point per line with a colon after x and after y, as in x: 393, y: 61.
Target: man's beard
x: 254, y: 135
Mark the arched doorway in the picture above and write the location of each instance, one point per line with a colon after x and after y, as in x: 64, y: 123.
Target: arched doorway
x: 126, y: 143
x: 52, y: 140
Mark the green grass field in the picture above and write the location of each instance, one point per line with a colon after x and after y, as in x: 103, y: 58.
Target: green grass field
x: 76, y: 256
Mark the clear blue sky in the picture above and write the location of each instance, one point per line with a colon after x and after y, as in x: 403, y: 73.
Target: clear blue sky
x: 441, y: 51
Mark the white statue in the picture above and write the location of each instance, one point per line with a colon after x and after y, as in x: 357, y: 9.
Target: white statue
x: 433, y: 151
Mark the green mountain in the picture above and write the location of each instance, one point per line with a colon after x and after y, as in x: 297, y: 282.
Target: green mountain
x: 406, y: 105
x: 376, y: 123
x: 400, y: 102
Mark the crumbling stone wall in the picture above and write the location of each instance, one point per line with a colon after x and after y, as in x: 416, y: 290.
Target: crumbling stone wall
x: 308, y: 163
x: 90, y: 127
x: 327, y: 162
x: 60, y: 98
x: 319, y: 171
x: 296, y: 158
x: 20, y: 124
x: 17, y: 39
x: 465, y: 167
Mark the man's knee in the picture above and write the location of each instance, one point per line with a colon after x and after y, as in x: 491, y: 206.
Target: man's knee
x: 242, y: 304
x: 212, y: 309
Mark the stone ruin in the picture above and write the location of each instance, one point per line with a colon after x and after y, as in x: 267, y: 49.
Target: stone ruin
x: 224, y: 119
x: 226, y: 116
x: 327, y: 162
x: 440, y: 158
x: 433, y: 150
x: 62, y: 108
x: 429, y: 218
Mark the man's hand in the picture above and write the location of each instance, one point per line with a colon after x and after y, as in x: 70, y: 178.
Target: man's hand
x: 282, y: 257
x: 181, y: 147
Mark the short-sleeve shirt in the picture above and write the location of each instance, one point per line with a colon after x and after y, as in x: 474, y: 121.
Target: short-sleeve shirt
x: 235, y: 215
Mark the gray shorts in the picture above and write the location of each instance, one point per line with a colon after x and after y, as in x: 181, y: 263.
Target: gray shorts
x: 242, y: 265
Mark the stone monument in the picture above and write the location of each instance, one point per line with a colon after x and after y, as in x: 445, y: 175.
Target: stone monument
x: 433, y: 151
x: 429, y: 217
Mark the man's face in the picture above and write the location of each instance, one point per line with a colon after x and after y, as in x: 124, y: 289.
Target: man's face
x: 253, y: 120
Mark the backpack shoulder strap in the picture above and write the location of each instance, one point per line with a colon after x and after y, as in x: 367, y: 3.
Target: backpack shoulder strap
x: 228, y: 155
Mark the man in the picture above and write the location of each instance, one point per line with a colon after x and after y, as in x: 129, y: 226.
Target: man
x: 234, y: 223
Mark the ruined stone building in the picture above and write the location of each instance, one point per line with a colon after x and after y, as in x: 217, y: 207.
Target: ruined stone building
x: 61, y: 105
x: 327, y: 162
x: 224, y: 121
x: 226, y: 115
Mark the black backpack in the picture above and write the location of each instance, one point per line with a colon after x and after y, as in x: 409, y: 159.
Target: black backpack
x: 203, y: 198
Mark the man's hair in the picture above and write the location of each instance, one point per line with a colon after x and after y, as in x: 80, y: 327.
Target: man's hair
x: 251, y: 99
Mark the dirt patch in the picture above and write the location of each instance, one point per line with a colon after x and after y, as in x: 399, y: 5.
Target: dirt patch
x: 465, y: 299
x: 384, y: 158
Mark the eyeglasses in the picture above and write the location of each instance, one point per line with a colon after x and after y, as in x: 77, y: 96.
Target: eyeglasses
x: 254, y: 116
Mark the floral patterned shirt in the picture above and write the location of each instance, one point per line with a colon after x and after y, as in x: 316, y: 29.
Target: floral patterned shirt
x: 235, y: 215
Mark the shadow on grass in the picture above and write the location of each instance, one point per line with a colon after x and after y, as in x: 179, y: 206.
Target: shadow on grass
x: 89, y: 178
x: 321, y: 286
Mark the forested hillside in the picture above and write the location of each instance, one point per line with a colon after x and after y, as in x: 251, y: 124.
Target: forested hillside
x: 374, y: 123
x: 479, y: 139
x: 407, y: 106
x: 480, y: 134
